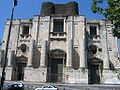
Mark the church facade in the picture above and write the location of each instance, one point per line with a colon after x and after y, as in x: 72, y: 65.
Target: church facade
x: 59, y: 45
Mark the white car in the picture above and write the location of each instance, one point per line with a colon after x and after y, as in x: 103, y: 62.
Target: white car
x: 47, y: 87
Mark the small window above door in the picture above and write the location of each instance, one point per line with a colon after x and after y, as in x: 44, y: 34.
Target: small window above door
x: 93, y: 30
x: 25, y: 30
x: 58, y: 25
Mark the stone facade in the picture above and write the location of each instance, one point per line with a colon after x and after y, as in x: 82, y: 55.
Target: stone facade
x: 62, y: 46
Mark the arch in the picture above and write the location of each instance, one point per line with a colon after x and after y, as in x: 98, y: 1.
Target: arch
x: 22, y: 59
x: 57, y: 53
x: 95, y: 61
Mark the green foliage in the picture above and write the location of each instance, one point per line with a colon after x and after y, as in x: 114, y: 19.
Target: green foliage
x: 83, y: 69
x: 111, y: 12
x: 117, y: 72
x: 0, y: 42
x: 30, y: 19
x: 101, y: 69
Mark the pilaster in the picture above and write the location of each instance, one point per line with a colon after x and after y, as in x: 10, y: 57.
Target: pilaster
x: 105, y: 46
x: 1, y: 57
x: 69, y: 53
x: 11, y: 57
x: 83, y: 59
x: 43, y: 54
x: 31, y: 52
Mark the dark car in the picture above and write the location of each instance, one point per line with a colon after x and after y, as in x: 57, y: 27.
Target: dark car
x: 14, y: 86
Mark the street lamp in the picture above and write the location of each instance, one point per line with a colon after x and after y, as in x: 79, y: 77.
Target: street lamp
x: 7, y: 44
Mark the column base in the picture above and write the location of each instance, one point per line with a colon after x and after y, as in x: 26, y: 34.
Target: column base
x: 42, y: 67
x: 8, y: 73
x: 29, y: 65
x: 76, y: 76
x: 69, y: 67
x: 106, y: 69
x: 83, y: 69
x: 110, y: 77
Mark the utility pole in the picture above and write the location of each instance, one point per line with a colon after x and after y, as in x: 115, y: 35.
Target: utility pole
x: 7, y: 44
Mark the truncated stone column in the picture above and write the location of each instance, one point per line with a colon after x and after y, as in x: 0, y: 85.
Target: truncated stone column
x: 83, y: 56
x: 106, y: 62
x: 31, y: 52
x: 11, y: 57
x: 8, y: 69
x: 43, y: 53
x: 69, y: 53
x: 1, y: 57
x: 83, y: 59
x: 106, y: 59
x: 105, y: 47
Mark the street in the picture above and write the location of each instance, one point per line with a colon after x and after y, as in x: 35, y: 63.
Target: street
x: 33, y: 85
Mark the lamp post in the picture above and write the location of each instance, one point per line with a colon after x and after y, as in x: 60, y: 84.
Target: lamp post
x: 7, y: 44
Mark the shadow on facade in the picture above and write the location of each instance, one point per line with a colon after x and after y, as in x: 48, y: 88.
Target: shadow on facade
x: 36, y: 59
x: 76, y: 60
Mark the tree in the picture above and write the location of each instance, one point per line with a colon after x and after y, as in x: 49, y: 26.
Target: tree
x: 0, y: 42
x: 111, y: 12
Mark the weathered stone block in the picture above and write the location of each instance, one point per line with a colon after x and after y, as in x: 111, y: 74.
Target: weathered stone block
x: 35, y: 75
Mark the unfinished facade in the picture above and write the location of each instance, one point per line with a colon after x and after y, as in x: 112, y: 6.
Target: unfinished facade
x: 59, y: 45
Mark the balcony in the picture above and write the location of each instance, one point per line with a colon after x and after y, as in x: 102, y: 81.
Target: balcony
x: 25, y: 37
x: 94, y: 38
x: 58, y: 35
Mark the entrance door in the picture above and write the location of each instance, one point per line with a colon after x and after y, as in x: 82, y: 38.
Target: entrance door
x: 94, y: 74
x: 56, y: 70
x: 21, y: 67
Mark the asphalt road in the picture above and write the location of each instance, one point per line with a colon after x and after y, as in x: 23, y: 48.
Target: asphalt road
x: 33, y: 85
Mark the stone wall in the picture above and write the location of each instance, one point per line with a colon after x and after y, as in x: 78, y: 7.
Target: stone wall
x: 74, y: 40
x: 76, y: 76
x: 35, y: 74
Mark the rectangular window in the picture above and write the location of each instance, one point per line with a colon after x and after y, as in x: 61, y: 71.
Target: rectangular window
x: 58, y: 25
x: 93, y: 30
x: 25, y: 30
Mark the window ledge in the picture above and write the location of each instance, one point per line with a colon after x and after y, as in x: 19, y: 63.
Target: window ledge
x: 25, y: 35
x: 58, y: 35
x: 94, y: 35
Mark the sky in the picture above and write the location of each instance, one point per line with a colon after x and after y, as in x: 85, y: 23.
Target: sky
x: 26, y: 9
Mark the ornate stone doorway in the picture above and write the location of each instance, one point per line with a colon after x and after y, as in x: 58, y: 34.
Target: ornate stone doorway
x: 56, y: 65
x: 20, y: 71
x: 94, y: 71
x: 19, y: 68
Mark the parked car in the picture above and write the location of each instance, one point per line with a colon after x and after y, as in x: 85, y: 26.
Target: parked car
x: 14, y: 86
x: 47, y: 87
